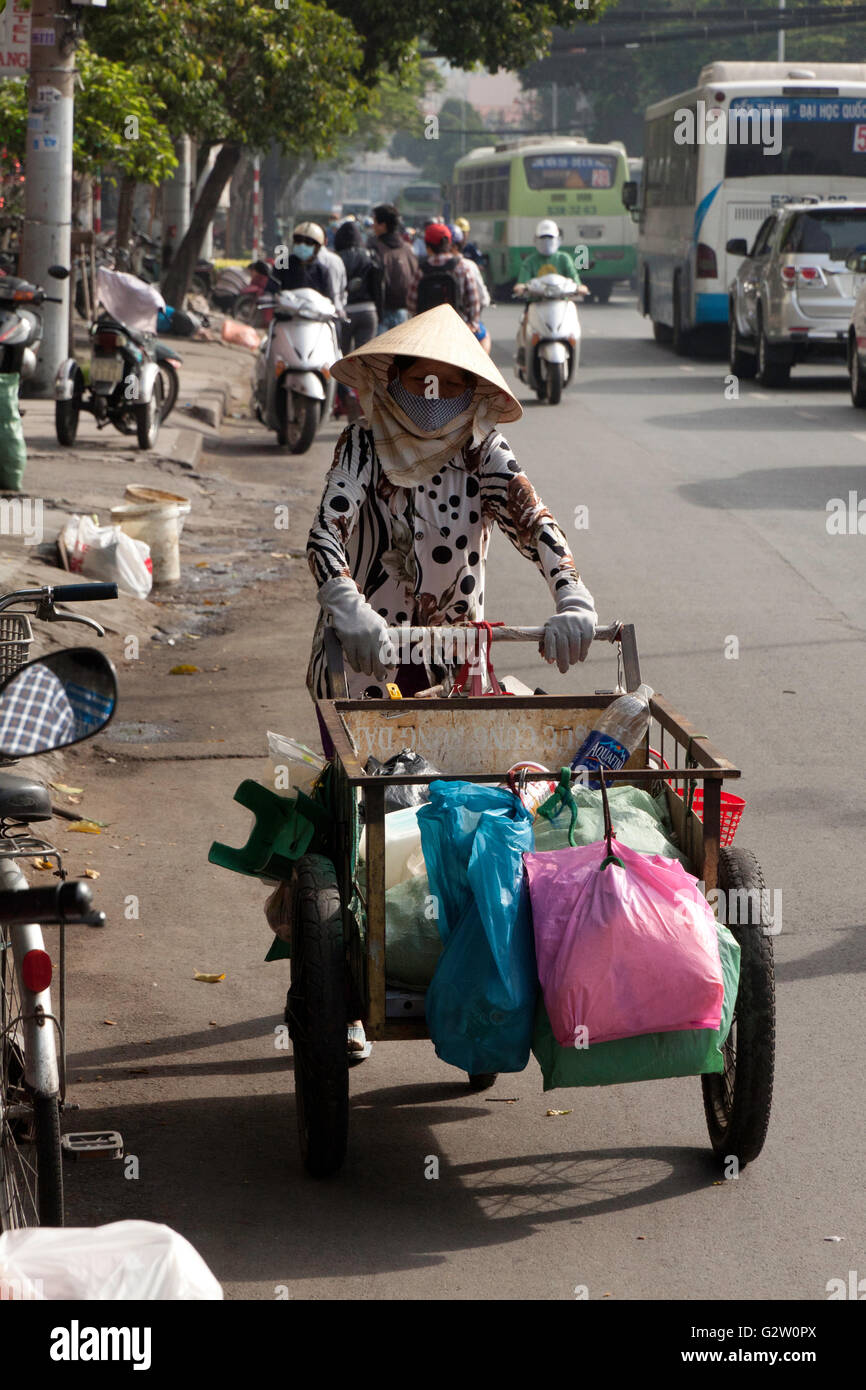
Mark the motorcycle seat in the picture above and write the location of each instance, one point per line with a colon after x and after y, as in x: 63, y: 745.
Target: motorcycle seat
x: 22, y: 799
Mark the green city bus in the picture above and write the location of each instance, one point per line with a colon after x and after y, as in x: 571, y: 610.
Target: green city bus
x: 505, y: 190
x: 419, y: 201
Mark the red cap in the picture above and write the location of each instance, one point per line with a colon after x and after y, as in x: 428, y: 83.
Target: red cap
x: 436, y: 233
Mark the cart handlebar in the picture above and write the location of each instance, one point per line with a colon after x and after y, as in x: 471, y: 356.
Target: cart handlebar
x: 611, y: 632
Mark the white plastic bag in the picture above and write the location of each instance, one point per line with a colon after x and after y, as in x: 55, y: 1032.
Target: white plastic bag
x: 108, y: 553
x: 132, y: 301
x: 124, y: 1260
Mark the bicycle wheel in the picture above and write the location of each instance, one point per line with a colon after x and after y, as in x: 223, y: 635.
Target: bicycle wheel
x: 31, y: 1174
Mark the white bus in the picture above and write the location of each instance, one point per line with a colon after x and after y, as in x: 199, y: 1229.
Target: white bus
x: 718, y: 158
x: 505, y: 190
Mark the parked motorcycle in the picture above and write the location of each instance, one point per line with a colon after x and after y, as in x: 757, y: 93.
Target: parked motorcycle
x: 21, y: 323
x: 547, y: 349
x: 126, y: 384
x: 292, y: 385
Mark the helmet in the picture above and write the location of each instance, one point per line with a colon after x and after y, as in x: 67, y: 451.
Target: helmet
x: 463, y: 224
x: 456, y: 233
x: 311, y: 230
x: 547, y: 238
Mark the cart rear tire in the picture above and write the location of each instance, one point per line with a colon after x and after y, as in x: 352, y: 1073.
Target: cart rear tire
x: 737, y: 1102
x: 317, y: 1016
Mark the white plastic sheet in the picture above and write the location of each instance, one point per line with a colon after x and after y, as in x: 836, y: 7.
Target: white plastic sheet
x: 124, y: 1260
x: 129, y: 299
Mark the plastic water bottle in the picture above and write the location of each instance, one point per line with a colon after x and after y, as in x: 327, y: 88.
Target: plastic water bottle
x: 618, y: 732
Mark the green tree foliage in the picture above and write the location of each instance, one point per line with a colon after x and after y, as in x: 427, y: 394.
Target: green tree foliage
x: 117, y: 121
x: 435, y: 148
x: 490, y: 33
x: 621, y: 83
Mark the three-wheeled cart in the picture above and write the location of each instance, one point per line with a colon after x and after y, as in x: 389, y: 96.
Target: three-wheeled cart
x: 338, y: 969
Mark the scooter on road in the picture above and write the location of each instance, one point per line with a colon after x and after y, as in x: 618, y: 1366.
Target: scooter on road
x: 292, y: 384
x: 547, y: 348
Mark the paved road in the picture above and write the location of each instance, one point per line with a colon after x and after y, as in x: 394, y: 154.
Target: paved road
x: 707, y: 522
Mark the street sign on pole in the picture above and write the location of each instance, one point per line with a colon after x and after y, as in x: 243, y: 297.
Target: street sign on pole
x: 14, y: 38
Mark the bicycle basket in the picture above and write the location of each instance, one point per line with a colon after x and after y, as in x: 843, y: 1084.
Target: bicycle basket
x: 16, y: 634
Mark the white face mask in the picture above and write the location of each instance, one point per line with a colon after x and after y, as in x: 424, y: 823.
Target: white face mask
x: 546, y: 245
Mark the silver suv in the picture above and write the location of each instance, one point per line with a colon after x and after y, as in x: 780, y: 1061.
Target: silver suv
x: 792, y: 297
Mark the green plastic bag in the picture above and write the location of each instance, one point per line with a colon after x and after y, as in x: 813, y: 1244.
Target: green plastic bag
x: 652, y: 1057
x: 13, y: 451
x: 640, y: 821
x: 412, y: 941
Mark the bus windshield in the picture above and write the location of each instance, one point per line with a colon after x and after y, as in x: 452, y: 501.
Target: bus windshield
x: 819, y: 138
x: 570, y: 170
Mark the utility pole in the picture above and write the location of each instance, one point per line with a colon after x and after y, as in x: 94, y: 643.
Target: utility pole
x: 781, y: 49
x: 48, y: 187
x: 176, y: 196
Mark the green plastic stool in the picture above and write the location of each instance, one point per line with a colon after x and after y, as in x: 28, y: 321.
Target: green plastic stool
x: 284, y: 830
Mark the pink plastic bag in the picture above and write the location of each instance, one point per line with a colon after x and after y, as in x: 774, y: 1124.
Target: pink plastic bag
x: 622, y: 951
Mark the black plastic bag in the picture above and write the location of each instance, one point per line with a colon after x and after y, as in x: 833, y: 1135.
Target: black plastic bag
x: 403, y: 764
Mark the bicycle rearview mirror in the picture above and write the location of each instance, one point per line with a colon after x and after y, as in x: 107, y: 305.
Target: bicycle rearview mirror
x: 55, y: 701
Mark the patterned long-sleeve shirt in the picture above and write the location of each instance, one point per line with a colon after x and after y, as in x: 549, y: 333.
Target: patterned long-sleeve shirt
x: 418, y: 554
x: 469, y: 304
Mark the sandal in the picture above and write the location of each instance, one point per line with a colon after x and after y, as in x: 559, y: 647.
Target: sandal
x: 356, y: 1043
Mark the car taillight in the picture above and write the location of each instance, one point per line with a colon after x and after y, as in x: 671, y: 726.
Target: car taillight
x: 109, y: 340
x: 706, y: 268
x: 812, y: 274
x: 789, y: 276
x: 36, y: 971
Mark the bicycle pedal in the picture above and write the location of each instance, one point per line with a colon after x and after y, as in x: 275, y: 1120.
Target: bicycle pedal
x: 99, y: 1143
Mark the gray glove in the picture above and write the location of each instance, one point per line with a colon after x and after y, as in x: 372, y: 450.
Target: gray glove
x: 361, y: 630
x: 568, y: 635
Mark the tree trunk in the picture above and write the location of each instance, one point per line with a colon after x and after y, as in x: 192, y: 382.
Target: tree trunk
x: 124, y: 218
x: 179, y: 277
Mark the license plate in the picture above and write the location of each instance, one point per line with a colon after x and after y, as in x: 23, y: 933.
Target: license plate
x: 106, y: 369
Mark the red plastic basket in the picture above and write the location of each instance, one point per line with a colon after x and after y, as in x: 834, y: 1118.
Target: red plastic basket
x: 732, y: 809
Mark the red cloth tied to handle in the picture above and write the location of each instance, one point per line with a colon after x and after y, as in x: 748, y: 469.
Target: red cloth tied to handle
x: 476, y: 678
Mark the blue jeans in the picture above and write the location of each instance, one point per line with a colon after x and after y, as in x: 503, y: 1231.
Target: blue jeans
x: 391, y: 317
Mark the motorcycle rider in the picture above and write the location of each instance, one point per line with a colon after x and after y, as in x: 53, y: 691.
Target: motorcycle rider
x: 305, y: 270
x: 547, y: 258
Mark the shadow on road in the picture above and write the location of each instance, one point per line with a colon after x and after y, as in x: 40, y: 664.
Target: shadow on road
x: 787, y: 489
x: 220, y: 1168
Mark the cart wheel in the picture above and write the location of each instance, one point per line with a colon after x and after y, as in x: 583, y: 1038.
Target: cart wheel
x: 316, y: 1009
x: 737, y: 1101
x: 482, y: 1080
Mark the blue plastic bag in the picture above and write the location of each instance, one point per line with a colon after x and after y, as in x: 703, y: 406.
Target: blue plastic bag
x: 481, y: 1002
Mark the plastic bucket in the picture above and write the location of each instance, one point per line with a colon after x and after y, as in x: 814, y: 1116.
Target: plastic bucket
x: 157, y: 523
x: 137, y: 492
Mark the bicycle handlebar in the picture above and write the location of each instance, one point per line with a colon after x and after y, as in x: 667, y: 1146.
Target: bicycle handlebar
x: 50, y: 593
x: 84, y: 593
x: 58, y: 905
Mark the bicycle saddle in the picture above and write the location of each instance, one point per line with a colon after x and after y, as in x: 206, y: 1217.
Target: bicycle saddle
x: 22, y: 799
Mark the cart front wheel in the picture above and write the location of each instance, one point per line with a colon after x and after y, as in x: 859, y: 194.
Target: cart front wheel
x: 737, y: 1101
x: 317, y: 1016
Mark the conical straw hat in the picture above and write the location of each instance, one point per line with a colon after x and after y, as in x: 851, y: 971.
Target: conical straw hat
x: 439, y: 334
